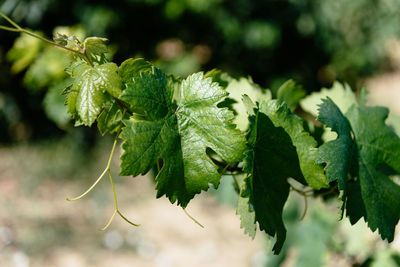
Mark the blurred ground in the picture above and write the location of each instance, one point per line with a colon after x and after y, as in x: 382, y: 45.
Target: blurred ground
x: 38, y: 227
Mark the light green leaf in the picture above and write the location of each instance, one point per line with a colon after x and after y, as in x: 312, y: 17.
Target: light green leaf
x: 305, y: 144
x: 236, y: 89
x: 244, y: 209
x: 179, y: 134
x: 378, y: 151
x: 89, y: 91
x: 341, y: 94
x: 95, y: 49
x: 48, y: 67
x: 53, y: 103
x: 394, y: 122
x: 23, y: 52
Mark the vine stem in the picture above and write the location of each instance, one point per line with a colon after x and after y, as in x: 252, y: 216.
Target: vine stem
x: 19, y: 29
x: 116, y: 211
x: 102, y: 174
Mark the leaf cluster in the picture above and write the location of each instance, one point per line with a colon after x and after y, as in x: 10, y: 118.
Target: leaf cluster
x: 193, y: 130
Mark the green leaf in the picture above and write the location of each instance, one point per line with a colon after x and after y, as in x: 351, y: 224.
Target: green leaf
x: 219, y: 77
x: 48, y: 67
x: 244, y: 210
x: 53, y: 103
x: 147, y: 95
x: 110, y: 119
x: 341, y: 94
x: 95, y: 49
x: 236, y: 89
x: 305, y: 144
x: 131, y: 69
x: 23, y: 52
x: 89, y: 91
x: 394, y: 122
x: 340, y: 153
x: 378, y: 148
x: 291, y: 93
x: 179, y: 133
x: 271, y: 159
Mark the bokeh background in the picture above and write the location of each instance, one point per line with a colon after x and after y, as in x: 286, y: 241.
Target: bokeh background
x: 44, y: 159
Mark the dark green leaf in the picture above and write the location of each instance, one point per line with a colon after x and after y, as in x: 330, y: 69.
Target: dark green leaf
x: 272, y: 159
x: 305, y: 144
x: 377, y: 145
x: 149, y: 94
x: 340, y: 153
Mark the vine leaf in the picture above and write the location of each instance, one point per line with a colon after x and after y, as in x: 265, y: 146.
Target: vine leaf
x: 378, y: 155
x: 270, y: 160
x: 291, y: 93
x: 341, y: 94
x: 110, y: 118
x: 131, y: 69
x: 178, y: 132
x: 89, y: 91
x: 236, y: 89
x: 149, y: 94
x: 338, y: 154
x: 95, y: 49
x: 24, y: 51
x: 244, y: 209
x: 305, y: 144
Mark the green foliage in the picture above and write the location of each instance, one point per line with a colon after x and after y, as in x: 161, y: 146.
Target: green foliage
x: 185, y: 130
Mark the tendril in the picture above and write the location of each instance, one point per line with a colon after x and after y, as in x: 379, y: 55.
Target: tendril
x: 101, y: 175
x: 305, y: 208
x: 116, y: 211
x: 192, y: 218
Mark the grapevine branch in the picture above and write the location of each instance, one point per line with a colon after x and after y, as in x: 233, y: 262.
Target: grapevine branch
x: 81, y: 51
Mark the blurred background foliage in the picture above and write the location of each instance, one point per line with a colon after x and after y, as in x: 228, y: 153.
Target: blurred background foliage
x: 314, y: 42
